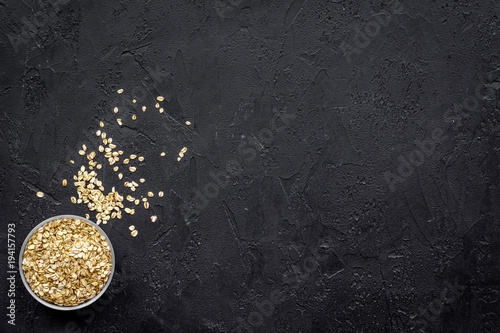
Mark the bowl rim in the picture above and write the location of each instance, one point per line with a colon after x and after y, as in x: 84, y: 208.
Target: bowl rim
x: 52, y: 305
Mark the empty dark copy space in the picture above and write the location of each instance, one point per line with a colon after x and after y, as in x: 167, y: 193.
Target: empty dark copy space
x: 326, y: 166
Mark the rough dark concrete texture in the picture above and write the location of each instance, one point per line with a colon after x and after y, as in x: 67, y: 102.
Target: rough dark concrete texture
x: 312, y: 198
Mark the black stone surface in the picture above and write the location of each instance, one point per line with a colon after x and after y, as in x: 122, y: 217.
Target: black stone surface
x: 342, y: 172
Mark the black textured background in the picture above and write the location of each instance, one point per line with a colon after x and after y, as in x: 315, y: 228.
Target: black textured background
x: 307, y: 235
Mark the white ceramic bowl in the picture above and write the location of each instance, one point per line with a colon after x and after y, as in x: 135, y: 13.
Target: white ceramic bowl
x: 52, y: 305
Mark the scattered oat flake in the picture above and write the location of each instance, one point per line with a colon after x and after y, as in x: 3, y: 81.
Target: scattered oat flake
x: 120, y: 175
x: 131, y: 227
x: 134, y: 233
x: 40, y: 194
x: 153, y: 218
x: 142, y: 180
x: 64, y: 182
x: 115, y: 168
x: 119, y: 91
x: 119, y: 121
x: 84, y: 147
x: 146, y: 205
x: 115, y: 110
x: 150, y: 194
x: 98, y: 133
x: 132, y: 157
x: 134, y: 117
x: 141, y: 158
x: 81, y: 152
x: 162, y: 153
x: 132, y: 169
x: 143, y: 109
x: 161, y: 110
x: 160, y: 98
x: 178, y: 159
x: 134, y: 101
x: 101, y: 124
x: 71, y: 161
x: 188, y: 122
x: 157, y: 105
